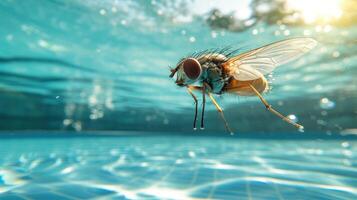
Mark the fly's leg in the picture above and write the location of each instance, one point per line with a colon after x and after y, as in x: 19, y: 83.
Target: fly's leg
x: 220, y: 111
x: 268, y: 106
x: 203, y: 106
x: 195, y: 99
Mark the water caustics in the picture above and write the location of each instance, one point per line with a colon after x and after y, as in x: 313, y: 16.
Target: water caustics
x: 192, y: 168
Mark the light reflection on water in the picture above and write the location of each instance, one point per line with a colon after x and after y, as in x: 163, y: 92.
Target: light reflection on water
x: 177, y: 168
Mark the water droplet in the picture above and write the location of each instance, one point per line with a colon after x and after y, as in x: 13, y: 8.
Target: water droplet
x: 345, y: 144
x: 214, y: 34
x: 293, y: 118
x: 160, y: 12
x: 77, y: 126
x: 67, y: 122
x: 57, y: 97
x: 42, y: 43
x: 192, y: 39
x: 301, y: 129
x: 123, y: 22
x: 336, y: 54
x: 286, y: 32
x: 9, y: 37
x: 179, y: 161
x: 102, y: 12
x: 191, y: 154
x: 144, y: 164
x: 114, y: 9
x: 255, y: 32
x: 327, y: 104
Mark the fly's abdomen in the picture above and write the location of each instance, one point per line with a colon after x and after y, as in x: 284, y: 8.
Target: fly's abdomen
x: 242, y: 88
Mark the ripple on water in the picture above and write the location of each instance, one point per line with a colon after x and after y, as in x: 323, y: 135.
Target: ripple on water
x: 217, y: 168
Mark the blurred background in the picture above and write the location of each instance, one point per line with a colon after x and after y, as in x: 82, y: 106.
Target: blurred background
x: 104, y: 65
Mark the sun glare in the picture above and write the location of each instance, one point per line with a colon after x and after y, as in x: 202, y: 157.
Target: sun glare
x: 314, y: 11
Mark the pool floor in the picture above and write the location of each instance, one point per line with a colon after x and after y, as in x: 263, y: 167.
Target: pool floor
x: 176, y: 167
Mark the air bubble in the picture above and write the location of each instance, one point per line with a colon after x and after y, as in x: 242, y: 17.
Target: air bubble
x: 103, y: 12
x: 123, y: 22
x: 336, y: 54
x: 286, y: 32
x: 345, y: 144
x: 293, y: 118
x: 114, y: 9
x: 192, y: 154
x: 327, y: 104
x: 192, y: 39
x: 9, y: 37
x: 255, y: 32
x: 301, y: 129
x: 214, y: 34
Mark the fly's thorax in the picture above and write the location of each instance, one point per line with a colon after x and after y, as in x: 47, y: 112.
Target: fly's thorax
x: 212, y: 57
x: 214, y: 76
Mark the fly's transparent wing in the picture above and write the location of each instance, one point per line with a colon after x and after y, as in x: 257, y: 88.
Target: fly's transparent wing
x: 258, y: 62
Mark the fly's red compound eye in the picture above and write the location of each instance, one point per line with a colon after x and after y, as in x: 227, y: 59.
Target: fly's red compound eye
x: 192, y: 68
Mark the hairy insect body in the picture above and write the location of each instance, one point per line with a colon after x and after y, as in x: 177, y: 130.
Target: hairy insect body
x: 220, y: 71
x: 214, y: 72
x: 243, y: 88
x: 213, y: 76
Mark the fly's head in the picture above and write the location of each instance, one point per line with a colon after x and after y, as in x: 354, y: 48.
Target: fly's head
x: 188, y: 71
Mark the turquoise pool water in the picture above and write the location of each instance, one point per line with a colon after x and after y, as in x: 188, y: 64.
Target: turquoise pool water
x: 88, y: 110
x: 176, y: 167
x: 84, y: 65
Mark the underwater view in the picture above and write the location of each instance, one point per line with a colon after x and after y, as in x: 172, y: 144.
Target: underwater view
x: 178, y: 99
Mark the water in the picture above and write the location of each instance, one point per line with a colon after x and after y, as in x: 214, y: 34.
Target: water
x: 88, y: 109
x: 176, y: 167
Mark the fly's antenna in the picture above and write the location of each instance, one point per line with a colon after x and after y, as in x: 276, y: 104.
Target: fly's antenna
x: 173, y: 71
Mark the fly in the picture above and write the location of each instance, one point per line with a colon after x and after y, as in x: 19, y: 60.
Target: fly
x: 219, y: 72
